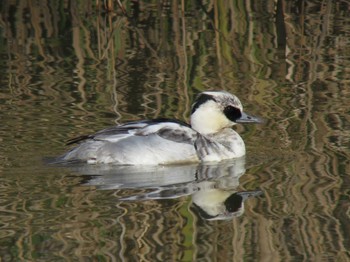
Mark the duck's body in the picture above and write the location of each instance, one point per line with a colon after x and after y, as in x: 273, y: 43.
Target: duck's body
x: 165, y: 141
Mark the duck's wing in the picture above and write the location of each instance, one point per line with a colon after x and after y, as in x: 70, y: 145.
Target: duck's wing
x: 169, y: 129
x: 114, y: 133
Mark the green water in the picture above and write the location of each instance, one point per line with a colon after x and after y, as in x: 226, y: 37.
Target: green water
x: 69, y: 68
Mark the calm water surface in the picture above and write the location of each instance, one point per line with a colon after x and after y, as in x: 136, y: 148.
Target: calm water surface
x: 70, y: 68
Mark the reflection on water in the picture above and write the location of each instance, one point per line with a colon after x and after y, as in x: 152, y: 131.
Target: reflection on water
x: 213, y: 187
x: 69, y: 68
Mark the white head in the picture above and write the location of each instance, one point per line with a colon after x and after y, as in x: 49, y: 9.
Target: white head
x: 215, y: 110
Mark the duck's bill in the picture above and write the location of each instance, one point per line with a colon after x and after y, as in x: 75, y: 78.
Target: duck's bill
x: 245, y: 118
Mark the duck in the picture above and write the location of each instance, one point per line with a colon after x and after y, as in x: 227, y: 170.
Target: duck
x: 208, y: 137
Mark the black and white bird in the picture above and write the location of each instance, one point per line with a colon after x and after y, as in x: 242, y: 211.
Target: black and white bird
x: 210, y: 137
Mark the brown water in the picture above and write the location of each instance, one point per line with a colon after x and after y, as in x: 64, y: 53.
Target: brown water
x: 71, y: 68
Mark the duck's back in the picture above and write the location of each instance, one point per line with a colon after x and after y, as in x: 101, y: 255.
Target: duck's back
x: 148, y: 142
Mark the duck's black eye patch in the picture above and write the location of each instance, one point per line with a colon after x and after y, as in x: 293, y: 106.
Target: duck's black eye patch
x: 233, y: 203
x: 201, y: 100
x: 232, y: 113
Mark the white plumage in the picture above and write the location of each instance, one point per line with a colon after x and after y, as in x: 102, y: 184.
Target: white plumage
x: 165, y: 141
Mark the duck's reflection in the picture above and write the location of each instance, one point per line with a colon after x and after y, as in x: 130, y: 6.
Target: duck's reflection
x: 218, y: 204
x: 213, y: 187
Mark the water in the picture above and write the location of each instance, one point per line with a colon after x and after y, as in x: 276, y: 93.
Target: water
x: 69, y: 69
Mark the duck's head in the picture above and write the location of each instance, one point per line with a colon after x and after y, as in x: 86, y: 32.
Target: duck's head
x: 214, y: 110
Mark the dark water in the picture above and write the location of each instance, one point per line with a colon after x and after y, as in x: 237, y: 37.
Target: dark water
x: 72, y: 68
